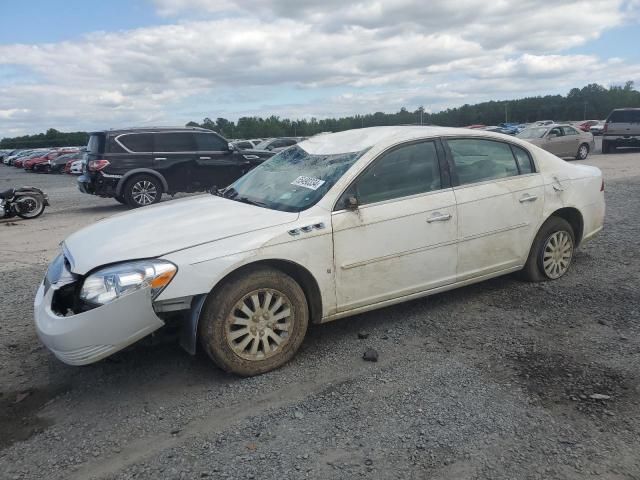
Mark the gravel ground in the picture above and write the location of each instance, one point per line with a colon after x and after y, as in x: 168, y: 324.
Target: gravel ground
x: 500, y: 380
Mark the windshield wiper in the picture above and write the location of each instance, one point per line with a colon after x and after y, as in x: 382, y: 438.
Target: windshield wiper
x: 250, y: 202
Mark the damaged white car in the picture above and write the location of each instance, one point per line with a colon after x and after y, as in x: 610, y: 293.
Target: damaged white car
x: 334, y: 226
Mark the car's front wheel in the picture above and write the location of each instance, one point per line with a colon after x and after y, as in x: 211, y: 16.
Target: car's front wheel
x: 142, y: 190
x: 254, y: 322
x: 552, y: 251
x: 583, y: 152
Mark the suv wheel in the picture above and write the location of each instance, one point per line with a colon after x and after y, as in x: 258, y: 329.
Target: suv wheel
x: 255, y: 322
x: 142, y: 190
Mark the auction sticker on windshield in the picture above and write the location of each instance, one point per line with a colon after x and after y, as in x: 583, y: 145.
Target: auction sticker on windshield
x: 308, y: 182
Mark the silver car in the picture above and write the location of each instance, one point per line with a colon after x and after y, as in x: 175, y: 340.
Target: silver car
x: 561, y: 140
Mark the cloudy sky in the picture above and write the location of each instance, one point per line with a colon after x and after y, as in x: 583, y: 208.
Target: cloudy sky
x: 87, y: 64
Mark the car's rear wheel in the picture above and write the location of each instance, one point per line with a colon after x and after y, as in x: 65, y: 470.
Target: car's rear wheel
x: 254, y: 322
x: 552, y: 251
x: 29, y: 206
x: 142, y: 190
x: 583, y: 152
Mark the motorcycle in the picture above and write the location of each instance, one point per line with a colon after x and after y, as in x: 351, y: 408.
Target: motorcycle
x: 25, y: 202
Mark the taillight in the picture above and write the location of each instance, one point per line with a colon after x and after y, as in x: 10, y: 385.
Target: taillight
x: 602, y: 186
x: 97, y: 165
x: 606, y: 127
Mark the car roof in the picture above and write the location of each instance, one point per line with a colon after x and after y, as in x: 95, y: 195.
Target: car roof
x: 151, y: 130
x: 360, y: 139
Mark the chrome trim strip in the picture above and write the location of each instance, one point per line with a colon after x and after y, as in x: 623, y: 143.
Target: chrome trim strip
x: 106, y: 175
x: 493, y: 232
x: 430, y: 247
x: 396, y: 255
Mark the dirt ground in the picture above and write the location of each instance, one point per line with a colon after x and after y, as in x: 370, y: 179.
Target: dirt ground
x: 500, y: 380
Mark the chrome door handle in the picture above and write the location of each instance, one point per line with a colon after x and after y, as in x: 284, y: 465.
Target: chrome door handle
x: 437, y: 217
x: 528, y: 198
x: 205, y: 158
x: 160, y: 158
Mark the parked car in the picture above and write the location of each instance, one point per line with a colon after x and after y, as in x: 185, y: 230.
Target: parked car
x: 587, y: 124
x: 244, y: 144
x: 561, y: 140
x: 277, y: 144
x: 57, y: 164
x: 337, y: 225
x: 542, y: 123
x: 41, y: 161
x: 136, y: 166
x: 621, y: 129
x: 67, y: 166
x: 19, y: 162
x: 597, y: 129
x: 76, y: 167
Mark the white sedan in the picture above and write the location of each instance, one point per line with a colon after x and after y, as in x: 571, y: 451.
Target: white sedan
x: 337, y: 225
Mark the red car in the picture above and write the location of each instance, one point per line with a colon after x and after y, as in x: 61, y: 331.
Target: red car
x: 587, y: 124
x: 39, y: 160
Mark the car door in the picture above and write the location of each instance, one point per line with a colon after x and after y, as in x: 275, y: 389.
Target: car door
x: 401, y: 238
x: 556, y: 142
x: 572, y: 139
x: 174, y: 156
x: 499, y: 199
x: 216, y: 164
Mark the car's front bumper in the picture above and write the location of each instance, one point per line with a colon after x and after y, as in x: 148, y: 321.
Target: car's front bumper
x: 83, y: 338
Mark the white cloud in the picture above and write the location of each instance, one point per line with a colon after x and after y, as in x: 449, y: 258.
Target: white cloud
x: 378, y: 55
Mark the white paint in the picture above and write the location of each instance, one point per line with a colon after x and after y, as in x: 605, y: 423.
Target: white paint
x: 378, y: 255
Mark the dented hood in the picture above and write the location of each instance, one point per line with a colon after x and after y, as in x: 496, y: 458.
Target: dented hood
x: 167, y: 227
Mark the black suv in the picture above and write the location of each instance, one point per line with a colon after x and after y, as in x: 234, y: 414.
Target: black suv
x: 137, y: 165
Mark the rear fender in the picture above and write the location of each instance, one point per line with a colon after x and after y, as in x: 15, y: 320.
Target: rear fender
x: 136, y: 171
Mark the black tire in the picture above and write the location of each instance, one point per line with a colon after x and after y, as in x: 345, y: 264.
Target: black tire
x: 583, y: 152
x: 38, y: 204
x: 142, y: 190
x: 534, y: 270
x: 216, y: 322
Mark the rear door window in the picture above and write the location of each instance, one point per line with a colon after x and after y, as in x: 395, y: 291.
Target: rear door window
x: 479, y: 160
x: 137, y: 142
x: 569, y: 131
x: 175, y: 142
x: 524, y: 160
x: 210, y: 142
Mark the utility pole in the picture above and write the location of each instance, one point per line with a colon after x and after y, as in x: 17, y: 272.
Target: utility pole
x: 584, y: 116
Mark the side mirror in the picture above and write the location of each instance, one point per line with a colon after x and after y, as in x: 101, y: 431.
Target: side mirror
x: 351, y: 203
x: 232, y: 147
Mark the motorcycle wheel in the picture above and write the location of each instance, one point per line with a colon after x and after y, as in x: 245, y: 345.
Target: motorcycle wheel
x: 29, y: 206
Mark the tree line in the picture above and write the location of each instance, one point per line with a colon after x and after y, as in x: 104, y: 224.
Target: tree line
x: 52, y: 138
x: 592, y: 101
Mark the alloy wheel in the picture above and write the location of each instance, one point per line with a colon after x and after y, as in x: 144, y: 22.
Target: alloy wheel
x: 260, y: 324
x: 144, y: 192
x: 583, y: 151
x: 557, y: 254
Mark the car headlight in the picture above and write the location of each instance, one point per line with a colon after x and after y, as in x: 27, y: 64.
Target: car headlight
x: 111, y: 283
